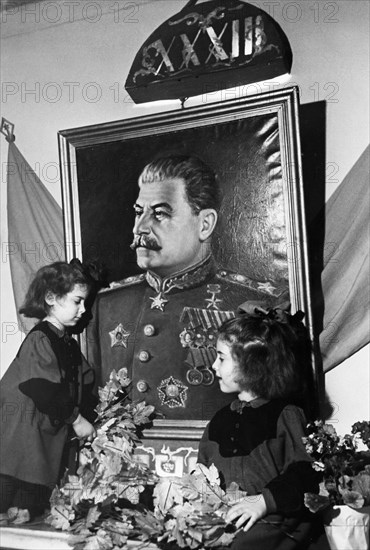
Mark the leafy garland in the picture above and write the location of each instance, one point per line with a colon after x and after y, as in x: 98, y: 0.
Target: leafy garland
x: 101, y: 505
x: 193, y: 509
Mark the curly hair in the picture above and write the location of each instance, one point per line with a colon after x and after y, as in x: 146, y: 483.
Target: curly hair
x: 58, y: 278
x: 265, y: 352
x: 201, y: 184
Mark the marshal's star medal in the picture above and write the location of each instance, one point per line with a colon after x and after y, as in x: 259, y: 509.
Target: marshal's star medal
x: 158, y: 302
x: 172, y: 393
x: 119, y: 336
x: 213, y: 301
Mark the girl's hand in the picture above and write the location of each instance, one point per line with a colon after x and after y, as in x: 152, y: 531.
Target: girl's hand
x: 249, y: 510
x: 83, y: 429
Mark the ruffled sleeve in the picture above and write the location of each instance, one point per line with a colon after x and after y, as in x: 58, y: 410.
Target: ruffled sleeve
x: 42, y: 379
x: 285, y: 493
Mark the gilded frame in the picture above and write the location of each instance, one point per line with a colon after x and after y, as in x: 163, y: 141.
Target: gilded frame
x: 105, y: 145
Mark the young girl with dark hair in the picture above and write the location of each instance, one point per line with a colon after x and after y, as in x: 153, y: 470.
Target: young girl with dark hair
x: 257, y: 440
x: 46, y: 391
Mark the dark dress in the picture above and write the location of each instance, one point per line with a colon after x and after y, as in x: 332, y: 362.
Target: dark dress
x: 42, y: 393
x: 259, y: 446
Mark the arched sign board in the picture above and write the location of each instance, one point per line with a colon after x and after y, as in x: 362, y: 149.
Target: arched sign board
x: 208, y: 47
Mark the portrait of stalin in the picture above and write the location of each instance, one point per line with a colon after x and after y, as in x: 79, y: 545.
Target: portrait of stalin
x: 162, y: 324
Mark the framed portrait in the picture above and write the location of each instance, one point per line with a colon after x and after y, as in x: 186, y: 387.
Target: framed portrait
x: 252, y: 144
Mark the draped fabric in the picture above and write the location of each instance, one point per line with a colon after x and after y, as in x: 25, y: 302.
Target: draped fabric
x: 36, y: 239
x: 35, y: 227
x: 345, y: 277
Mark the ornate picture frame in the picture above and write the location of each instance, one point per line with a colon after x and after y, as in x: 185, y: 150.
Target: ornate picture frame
x: 253, y: 144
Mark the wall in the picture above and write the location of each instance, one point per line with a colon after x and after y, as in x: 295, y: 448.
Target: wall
x: 64, y: 65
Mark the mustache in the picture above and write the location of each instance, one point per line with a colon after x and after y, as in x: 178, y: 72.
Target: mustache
x: 145, y: 242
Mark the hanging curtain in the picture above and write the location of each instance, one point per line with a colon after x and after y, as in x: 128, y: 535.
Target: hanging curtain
x: 345, y: 277
x: 35, y: 227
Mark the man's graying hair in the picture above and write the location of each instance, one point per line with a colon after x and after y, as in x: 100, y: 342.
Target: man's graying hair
x: 201, y: 185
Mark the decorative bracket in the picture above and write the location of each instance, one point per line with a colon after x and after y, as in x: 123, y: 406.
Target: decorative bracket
x: 209, y: 47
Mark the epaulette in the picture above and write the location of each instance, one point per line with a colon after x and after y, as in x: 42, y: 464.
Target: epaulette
x: 246, y: 282
x: 128, y: 281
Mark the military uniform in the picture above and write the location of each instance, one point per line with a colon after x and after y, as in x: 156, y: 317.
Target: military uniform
x: 165, y: 330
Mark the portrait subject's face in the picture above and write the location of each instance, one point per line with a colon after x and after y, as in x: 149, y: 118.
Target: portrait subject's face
x: 170, y: 232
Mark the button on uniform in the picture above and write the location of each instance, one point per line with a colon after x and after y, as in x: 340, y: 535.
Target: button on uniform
x: 149, y: 330
x: 144, y: 356
x: 142, y: 386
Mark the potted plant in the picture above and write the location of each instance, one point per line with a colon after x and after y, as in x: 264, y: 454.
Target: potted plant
x: 344, y: 497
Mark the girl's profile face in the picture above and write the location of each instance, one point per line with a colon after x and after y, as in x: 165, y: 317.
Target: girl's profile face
x: 65, y: 311
x: 226, y: 368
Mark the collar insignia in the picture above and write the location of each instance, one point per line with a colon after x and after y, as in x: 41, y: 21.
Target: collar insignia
x: 190, y: 278
x: 158, y: 302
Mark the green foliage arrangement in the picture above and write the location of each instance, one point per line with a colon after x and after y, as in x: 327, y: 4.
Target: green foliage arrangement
x: 101, y: 506
x: 108, y: 471
x: 346, y: 469
x: 193, y: 508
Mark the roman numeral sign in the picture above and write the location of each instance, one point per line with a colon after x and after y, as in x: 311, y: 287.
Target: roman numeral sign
x: 218, y: 44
